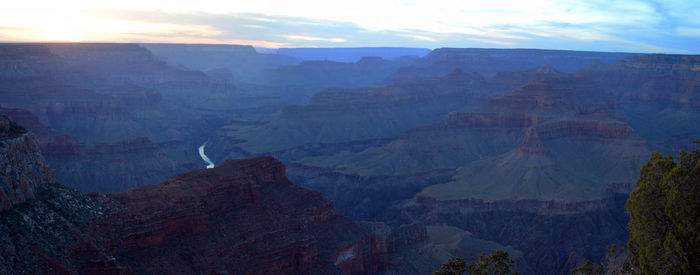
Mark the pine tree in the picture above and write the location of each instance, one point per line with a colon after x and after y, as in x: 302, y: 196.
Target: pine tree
x: 588, y: 268
x: 664, y: 213
x: 497, y: 263
x: 452, y: 267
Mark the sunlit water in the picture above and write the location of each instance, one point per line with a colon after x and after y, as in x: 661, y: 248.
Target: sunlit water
x: 204, y: 157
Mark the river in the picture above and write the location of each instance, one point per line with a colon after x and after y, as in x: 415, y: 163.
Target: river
x: 204, y: 157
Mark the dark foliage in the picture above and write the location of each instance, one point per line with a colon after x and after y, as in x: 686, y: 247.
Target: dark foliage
x: 9, y: 129
x: 455, y: 266
x: 664, y: 213
x: 588, y: 268
x: 496, y: 263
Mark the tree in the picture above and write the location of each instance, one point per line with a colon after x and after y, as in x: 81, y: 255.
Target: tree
x: 617, y: 261
x: 664, y: 213
x: 496, y: 263
x: 588, y: 268
x: 452, y: 267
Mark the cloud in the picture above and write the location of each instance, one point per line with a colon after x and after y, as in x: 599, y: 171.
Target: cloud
x: 693, y: 32
x: 489, y: 41
x: 624, y: 25
x: 420, y: 37
x: 301, y: 37
x: 254, y: 26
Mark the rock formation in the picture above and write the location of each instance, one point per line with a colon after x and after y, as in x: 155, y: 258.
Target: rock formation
x: 658, y: 94
x: 244, y: 62
x: 489, y: 62
x: 22, y: 167
x: 551, y: 149
x: 347, y: 115
x: 242, y: 217
x: 88, y: 102
x: 351, y: 54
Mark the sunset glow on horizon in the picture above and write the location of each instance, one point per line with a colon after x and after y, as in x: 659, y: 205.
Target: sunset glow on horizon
x: 631, y: 25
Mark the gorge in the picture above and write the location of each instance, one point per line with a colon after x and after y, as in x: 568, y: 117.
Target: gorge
x: 375, y: 165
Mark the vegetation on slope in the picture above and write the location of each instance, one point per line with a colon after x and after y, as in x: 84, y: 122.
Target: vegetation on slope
x: 664, y: 215
x: 497, y: 263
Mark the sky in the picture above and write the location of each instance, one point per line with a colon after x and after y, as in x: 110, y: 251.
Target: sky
x: 597, y: 25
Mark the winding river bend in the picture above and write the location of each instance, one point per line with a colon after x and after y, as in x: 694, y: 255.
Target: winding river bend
x: 206, y: 159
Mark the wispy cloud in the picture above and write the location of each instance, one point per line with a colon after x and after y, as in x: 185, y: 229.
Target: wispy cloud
x: 301, y: 37
x: 420, y: 37
x: 625, y: 25
x: 254, y: 26
x: 490, y: 41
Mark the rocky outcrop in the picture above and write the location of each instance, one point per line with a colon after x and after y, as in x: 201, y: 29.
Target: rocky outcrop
x: 489, y: 62
x: 297, y: 83
x: 28, y: 121
x: 106, y: 167
x: 26, y: 61
x: 49, y: 235
x: 22, y: 167
x: 549, y: 150
x: 338, y: 115
x: 554, y: 107
x: 243, y: 62
x: 364, y: 198
x: 114, y: 167
x: 658, y: 94
x: 547, y: 233
x: 119, y: 63
x: 669, y: 78
x: 351, y: 54
x: 83, y: 100
x: 242, y: 217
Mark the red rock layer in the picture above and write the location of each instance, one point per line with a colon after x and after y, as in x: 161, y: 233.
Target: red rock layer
x: 22, y: 167
x: 242, y: 217
x: 654, y: 78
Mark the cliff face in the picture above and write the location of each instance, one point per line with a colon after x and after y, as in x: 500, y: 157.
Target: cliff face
x: 22, y: 167
x: 658, y: 94
x: 299, y: 82
x: 243, y: 61
x: 80, y: 98
x: 669, y: 78
x: 26, y: 61
x: 552, y: 151
x: 338, y: 115
x: 490, y: 62
x: 551, y: 235
x: 242, y: 217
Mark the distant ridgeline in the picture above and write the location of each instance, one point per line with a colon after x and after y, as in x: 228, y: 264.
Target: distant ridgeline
x: 505, y: 156
x: 533, y: 152
x: 242, y: 217
x: 350, y: 54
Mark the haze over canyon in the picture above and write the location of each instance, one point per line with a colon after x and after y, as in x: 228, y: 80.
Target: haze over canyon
x: 152, y: 158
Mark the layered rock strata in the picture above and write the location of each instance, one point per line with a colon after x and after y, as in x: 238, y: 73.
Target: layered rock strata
x: 22, y: 167
x: 242, y: 217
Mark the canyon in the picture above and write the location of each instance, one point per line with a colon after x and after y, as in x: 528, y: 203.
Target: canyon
x: 402, y: 161
x: 241, y: 217
x: 523, y: 153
